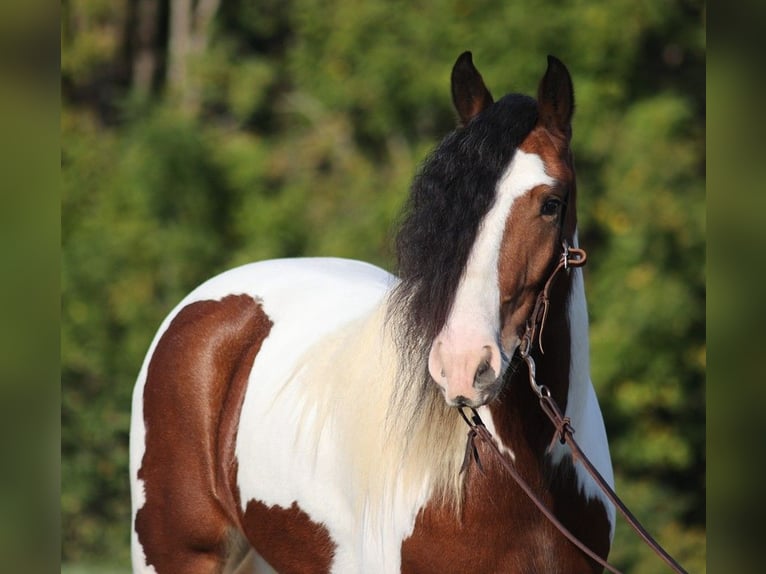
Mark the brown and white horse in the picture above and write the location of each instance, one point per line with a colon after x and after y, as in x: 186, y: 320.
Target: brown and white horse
x: 297, y: 415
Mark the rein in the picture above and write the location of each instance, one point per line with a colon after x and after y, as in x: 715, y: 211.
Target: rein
x: 571, y: 257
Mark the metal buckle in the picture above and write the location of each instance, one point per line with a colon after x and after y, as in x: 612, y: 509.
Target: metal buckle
x: 538, y: 389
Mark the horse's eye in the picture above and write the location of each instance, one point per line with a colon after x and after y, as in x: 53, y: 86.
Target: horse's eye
x: 551, y: 206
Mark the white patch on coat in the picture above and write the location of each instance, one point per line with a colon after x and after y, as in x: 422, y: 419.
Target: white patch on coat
x: 489, y: 422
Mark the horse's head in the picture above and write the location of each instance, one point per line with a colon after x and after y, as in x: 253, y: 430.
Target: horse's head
x: 500, y: 191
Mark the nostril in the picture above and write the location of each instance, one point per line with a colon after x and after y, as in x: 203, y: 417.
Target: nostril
x: 484, y: 372
x: 485, y: 375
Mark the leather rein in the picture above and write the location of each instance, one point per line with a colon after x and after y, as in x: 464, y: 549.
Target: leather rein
x: 571, y: 257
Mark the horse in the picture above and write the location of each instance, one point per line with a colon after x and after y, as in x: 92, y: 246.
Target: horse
x: 301, y: 415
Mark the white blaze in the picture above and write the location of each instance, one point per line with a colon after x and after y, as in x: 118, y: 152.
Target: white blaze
x: 474, y: 322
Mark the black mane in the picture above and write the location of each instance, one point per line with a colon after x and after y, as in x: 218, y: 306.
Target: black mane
x: 451, y: 194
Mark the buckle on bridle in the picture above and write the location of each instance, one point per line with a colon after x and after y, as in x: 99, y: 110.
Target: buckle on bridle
x: 525, y: 347
x: 573, y: 256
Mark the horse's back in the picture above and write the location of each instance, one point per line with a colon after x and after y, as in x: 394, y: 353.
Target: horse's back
x: 325, y: 284
x: 188, y: 399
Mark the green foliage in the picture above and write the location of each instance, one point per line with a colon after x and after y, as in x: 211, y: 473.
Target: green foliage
x: 310, y: 121
x: 91, y: 33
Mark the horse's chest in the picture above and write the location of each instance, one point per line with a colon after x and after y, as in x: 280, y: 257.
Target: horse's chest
x: 500, y: 530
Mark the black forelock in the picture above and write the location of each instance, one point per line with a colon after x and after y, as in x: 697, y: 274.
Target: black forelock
x: 452, y: 192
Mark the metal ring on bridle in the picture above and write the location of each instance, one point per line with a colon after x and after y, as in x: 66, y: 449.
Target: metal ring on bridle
x: 532, y: 375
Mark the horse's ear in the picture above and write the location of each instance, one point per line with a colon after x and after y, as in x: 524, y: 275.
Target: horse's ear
x: 469, y: 94
x: 555, y: 98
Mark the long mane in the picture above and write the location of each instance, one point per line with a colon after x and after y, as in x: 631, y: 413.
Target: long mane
x: 449, y: 197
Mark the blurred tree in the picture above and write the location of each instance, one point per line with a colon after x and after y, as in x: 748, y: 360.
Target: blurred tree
x: 201, y: 135
x: 145, y: 18
x: 190, y: 27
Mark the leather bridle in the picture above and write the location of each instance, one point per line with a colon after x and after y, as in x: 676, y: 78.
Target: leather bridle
x: 570, y: 257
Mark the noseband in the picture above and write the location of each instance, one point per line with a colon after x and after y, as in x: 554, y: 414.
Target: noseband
x: 570, y: 257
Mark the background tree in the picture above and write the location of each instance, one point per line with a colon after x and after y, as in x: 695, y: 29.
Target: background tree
x: 201, y: 135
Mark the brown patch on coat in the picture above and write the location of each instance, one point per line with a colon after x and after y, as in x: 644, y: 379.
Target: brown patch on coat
x: 288, y: 539
x: 500, y: 530
x: 553, y: 150
x: 195, y: 386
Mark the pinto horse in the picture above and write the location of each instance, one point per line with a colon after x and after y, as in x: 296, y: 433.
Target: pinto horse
x: 298, y: 415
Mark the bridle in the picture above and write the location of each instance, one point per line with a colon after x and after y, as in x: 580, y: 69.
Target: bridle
x: 570, y: 257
